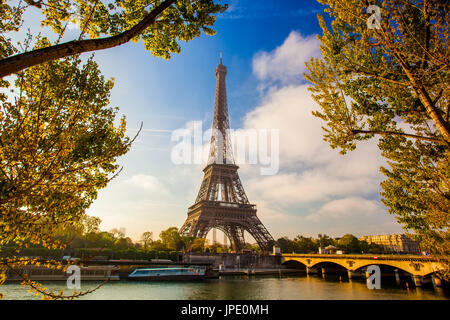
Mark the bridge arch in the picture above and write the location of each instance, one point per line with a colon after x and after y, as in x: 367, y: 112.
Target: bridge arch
x: 389, y: 269
x: 294, y: 264
x: 414, y: 265
x: 321, y: 264
x: 330, y: 267
x: 390, y: 266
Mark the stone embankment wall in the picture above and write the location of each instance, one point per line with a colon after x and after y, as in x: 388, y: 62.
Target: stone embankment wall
x: 231, y: 260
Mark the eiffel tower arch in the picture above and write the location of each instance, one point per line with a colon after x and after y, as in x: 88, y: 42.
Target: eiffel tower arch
x: 221, y: 201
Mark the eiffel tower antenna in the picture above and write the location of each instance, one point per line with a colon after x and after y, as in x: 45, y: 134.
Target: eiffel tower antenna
x: 221, y: 201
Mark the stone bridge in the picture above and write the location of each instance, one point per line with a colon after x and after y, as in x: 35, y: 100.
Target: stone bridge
x: 417, y: 266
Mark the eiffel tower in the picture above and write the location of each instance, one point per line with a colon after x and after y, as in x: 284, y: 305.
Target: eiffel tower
x: 221, y: 202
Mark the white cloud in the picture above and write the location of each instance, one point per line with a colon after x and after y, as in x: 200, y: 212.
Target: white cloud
x: 147, y: 182
x: 289, y: 110
x: 347, y: 207
x: 265, y: 212
x: 312, y: 170
x: 309, y: 186
x: 286, y: 62
x: 334, y: 192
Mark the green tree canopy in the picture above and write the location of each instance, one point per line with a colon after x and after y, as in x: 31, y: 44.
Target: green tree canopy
x: 198, y: 245
x: 90, y: 224
x: 58, y: 146
x: 160, y: 24
x: 171, y: 238
x: 286, y: 245
x: 392, y: 81
x: 323, y: 240
x: 147, y: 238
x: 350, y: 243
x: 305, y: 245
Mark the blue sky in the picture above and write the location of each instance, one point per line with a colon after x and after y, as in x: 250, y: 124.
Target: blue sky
x: 264, y: 44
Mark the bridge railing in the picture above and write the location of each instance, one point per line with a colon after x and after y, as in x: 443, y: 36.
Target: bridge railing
x: 366, y: 257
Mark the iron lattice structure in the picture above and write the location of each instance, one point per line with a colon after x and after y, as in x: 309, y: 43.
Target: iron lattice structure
x: 221, y: 202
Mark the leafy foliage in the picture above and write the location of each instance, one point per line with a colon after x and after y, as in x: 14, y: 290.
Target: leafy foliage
x: 393, y: 82
x: 58, y: 146
x: 183, y: 20
x: 58, y: 141
x: 349, y: 243
x: 171, y: 238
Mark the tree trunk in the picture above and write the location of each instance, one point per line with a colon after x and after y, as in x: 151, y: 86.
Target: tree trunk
x: 427, y: 102
x: 438, y: 120
x: 28, y: 59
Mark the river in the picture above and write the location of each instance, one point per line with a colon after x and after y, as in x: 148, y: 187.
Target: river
x: 242, y: 288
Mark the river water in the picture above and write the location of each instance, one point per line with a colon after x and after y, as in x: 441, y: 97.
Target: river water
x: 242, y: 288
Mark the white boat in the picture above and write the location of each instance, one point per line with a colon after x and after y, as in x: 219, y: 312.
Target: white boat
x: 192, y: 273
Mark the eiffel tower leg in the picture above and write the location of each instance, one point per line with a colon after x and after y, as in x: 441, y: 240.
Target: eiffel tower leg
x: 260, y: 233
x: 237, y: 237
x: 264, y: 243
x: 190, y: 228
x: 185, y: 230
x: 203, y: 231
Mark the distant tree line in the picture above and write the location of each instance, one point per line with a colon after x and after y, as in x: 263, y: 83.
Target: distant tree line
x: 348, y: 243
x: 84, y: 239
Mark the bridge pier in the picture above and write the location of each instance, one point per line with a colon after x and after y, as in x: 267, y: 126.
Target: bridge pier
x: 436, y: 281
x: 323, y: 272
x: 351, y: 274
x: 397, y: 276
x: 417, y: 280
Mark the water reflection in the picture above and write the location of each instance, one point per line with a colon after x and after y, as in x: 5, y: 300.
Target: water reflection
x: 244, y: 288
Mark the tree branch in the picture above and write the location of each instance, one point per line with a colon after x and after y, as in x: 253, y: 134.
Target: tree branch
x: 395, y: 133
x: 28, y: 59
x: 366, y: 73
x: 33, y: 3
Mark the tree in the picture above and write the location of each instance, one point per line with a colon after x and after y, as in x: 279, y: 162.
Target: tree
x: 392, y: 81
x: 118, y: 233
x: 158, y: 246
x: 286, y: 245
x: 58, y: 146
x: 123, y: 243
x: 349, y: 243
x: 160, y: 24
x: 198, y: 245
x: 171, y: 238
x: 147, y: 238
x: 187, y: 241
x: 305, y: 245
x: 323, y: 240
x: 253, y: 247
x: 90, y: 224
x: 365, y: 247
x: 68, y: 232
